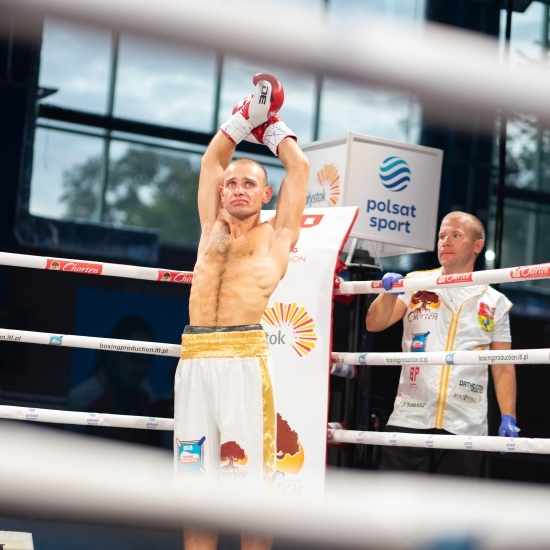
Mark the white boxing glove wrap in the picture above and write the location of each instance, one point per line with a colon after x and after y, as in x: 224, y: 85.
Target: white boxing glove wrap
x: 237, y: 127
x: 275, y: 133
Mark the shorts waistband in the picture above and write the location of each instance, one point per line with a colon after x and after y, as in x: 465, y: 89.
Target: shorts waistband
x: 251, y: 342
x: 197, y: 329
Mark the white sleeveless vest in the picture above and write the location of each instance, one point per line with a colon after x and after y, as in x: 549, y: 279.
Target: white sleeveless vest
x: 448, y: 397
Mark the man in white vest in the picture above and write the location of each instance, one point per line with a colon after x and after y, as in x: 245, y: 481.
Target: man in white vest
x: 447, y: 399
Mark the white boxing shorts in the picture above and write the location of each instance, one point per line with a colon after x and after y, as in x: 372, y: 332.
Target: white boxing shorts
x: 224, y: 412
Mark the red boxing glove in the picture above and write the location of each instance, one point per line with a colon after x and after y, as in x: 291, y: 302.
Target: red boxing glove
x: 255, y: 109
x: 277, y: 92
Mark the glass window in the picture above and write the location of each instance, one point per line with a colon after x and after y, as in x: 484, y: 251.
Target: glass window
x: 381, y: 113
x: 163, y: 84
x: 527, y: 240
x: 527, y: 177
x: 61, y: 158
x: 346, y: 108
x: 100, y: 174
x: 75, y: 61
x: 151, y: 187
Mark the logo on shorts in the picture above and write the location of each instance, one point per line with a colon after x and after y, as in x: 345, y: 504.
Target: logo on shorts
x: 190, y: 457
x: 233, y: 457
x: 294, y: 327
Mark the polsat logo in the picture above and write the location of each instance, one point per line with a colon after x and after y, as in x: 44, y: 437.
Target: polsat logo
x: 329, y: 177
x: 294, y: 325
x: 395, y: 174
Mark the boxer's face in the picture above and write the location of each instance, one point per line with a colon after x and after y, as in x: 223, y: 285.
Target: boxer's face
x: 244, y: 190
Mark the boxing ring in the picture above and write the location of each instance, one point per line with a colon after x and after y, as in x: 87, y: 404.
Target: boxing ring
x: 354, y: 511
x: 348, y: 488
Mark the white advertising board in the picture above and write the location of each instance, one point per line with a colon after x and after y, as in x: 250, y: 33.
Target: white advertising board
x: 15, y: 540
x: 395, y: 185
x: 298, y: 323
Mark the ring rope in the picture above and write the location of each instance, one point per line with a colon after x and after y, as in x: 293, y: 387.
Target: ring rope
x: 481, y: 357
x: 520, y: 356
x: 52, y: 416
x: 90, y: 342
x: 393, y: 439
x: 489, y: 276
x: 457, y: 442
x: 86, y: 267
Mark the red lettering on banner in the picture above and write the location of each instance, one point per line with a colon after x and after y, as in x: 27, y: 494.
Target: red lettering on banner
x: 376, y: 284
x: 456, y: 278
x: 310, y: 220
x: 530, y: 272
x: 75, y: 267
x: 184, y: 277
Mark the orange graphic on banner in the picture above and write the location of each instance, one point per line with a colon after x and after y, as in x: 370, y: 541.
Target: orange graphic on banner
x: 298, y: 319
x: 290, y: 453
x: 328, y: 176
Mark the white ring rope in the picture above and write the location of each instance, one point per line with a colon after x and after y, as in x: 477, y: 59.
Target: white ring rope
x: 444, y: 67
x: 76, y: 478
x: 518, y: 356
x: 89, y: 342
x: 52, y: 416
x: 482, y: 357
x: 86, y: 267
x: 468, y: 443
x: 457, y: 442
x: 428, y: 282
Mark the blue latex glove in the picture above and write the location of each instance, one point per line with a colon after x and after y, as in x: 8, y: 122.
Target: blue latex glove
x: 388, y: 279
x: 508, y: 426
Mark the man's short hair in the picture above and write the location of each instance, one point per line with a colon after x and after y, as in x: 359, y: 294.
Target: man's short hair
x: 235, y: 162
x: 474, y: 225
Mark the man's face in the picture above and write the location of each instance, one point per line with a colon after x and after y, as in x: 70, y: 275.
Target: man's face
x: 456, y: 247
x: 244, y: 191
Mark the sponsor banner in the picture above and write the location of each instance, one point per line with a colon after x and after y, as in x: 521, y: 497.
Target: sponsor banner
x: 531, y: 272
x: 185, y: 277
x: 298, y: 322
x: 455, y: 278
x: 395, y: 185
x: 74, y: 266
